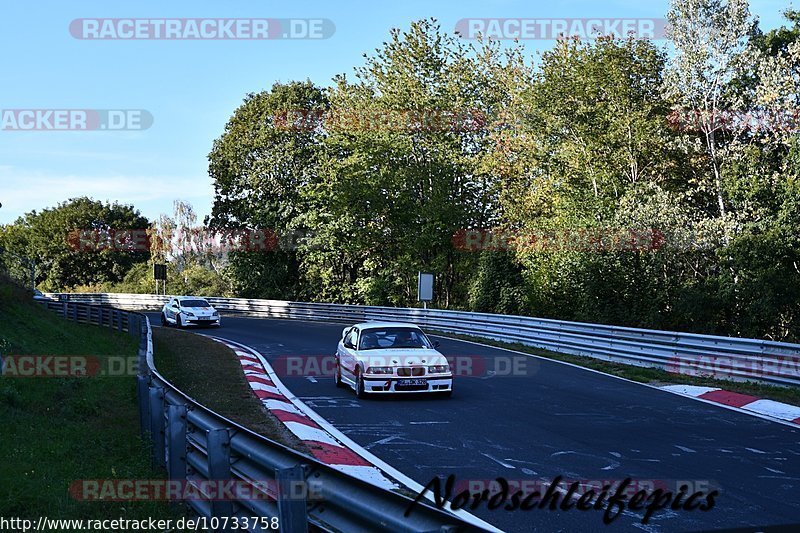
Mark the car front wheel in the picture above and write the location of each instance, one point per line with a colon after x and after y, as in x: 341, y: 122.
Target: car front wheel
x: 178, y: 322
x: 337, y: 376
x: 164, y: 320
x: 360, y: 392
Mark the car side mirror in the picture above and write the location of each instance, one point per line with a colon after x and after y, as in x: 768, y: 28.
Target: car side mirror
x: 348, y: 344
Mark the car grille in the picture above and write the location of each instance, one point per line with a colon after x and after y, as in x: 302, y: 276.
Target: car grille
x: 405, y: 371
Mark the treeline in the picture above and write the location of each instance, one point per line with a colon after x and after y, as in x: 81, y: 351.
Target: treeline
x: 430, y: 137
x: 613, y: 181
x: 84, y: 245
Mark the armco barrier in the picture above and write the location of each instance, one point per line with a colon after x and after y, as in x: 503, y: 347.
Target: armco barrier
x: 196, y: 445
x: 683, y: 353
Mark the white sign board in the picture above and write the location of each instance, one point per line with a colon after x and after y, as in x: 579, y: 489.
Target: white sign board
x: 425, y: 287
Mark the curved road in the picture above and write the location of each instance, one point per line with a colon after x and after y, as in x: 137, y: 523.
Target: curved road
x: 549, y: 419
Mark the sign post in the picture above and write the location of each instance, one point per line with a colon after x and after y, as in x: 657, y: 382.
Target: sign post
x: 160, y: 274
x: 425, y: 288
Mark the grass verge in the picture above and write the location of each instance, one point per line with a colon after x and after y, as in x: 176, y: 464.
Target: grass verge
x: 210, y: 373
x: 59, y: 430
x: 652, y: 376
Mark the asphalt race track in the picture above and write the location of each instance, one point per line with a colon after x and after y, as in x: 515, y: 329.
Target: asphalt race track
x: 552, y: 420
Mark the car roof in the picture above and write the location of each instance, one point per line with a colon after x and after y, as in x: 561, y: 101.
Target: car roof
x: 377, y: 325
x: 181, y: 298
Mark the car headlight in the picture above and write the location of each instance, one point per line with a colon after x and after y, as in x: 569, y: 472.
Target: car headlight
x: 438, y: 369
x: 189, y: 313
x: 215, y: 314
x: 380, y: 370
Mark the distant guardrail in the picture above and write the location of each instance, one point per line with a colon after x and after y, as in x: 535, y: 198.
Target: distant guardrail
x: 197, y: 447
x: 682, y: 353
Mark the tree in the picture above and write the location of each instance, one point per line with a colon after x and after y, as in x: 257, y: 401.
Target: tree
x: 79, y: 242
x: 266, y: 155
x: 710, y: 39
x: 400, y: 175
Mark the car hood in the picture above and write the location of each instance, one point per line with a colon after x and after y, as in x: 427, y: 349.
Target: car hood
x: 402, y: 357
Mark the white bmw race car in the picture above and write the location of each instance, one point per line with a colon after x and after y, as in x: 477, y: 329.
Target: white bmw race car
x: 390, y: 357
x: 189, y: 310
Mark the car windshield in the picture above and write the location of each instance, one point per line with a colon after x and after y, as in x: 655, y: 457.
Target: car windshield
x: 379, y: 338
x: 194, y: 303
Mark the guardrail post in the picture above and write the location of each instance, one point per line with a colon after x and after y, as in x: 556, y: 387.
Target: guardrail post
x: 157, y: 430
x: 219, y: 469
x: 176, y: 441
x: 292, y: 492
x: 143, y: 388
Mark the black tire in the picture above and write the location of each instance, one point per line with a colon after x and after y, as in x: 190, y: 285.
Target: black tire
x: 360, y: 392
x: 447, y: 394
x: 164, y: 322
x: 178, y: 323
x: 337, y: 375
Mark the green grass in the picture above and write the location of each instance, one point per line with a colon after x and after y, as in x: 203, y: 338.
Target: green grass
x: 210, y: 373
x: 58, y: 430
x: 652, y: 376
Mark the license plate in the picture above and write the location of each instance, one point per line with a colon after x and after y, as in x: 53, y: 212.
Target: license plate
x: 407, y: 382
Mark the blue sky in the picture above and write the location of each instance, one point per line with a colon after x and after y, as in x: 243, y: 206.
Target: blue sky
x: 192, y: 87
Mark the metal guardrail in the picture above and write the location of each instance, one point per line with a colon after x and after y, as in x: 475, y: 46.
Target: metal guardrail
x: 683, y: 353
x: 196, y: 445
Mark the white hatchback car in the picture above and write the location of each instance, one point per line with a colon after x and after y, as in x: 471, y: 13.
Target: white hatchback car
x: 189, y: 310
x: 390, y: 357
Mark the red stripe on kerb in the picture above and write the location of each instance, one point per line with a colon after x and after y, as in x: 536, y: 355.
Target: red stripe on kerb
x: 286, y: 416
x: 266, y: 395
x: 258, y: 379
x: 734, y: 399
x: 335, y: 455
x: 796, y: 421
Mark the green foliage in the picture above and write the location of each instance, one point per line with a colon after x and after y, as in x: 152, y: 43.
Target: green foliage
x: 584, y: 139
x: 498, y: 286
x: 393, y: 194
x: 260, y: 166
x: 48, y: 238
